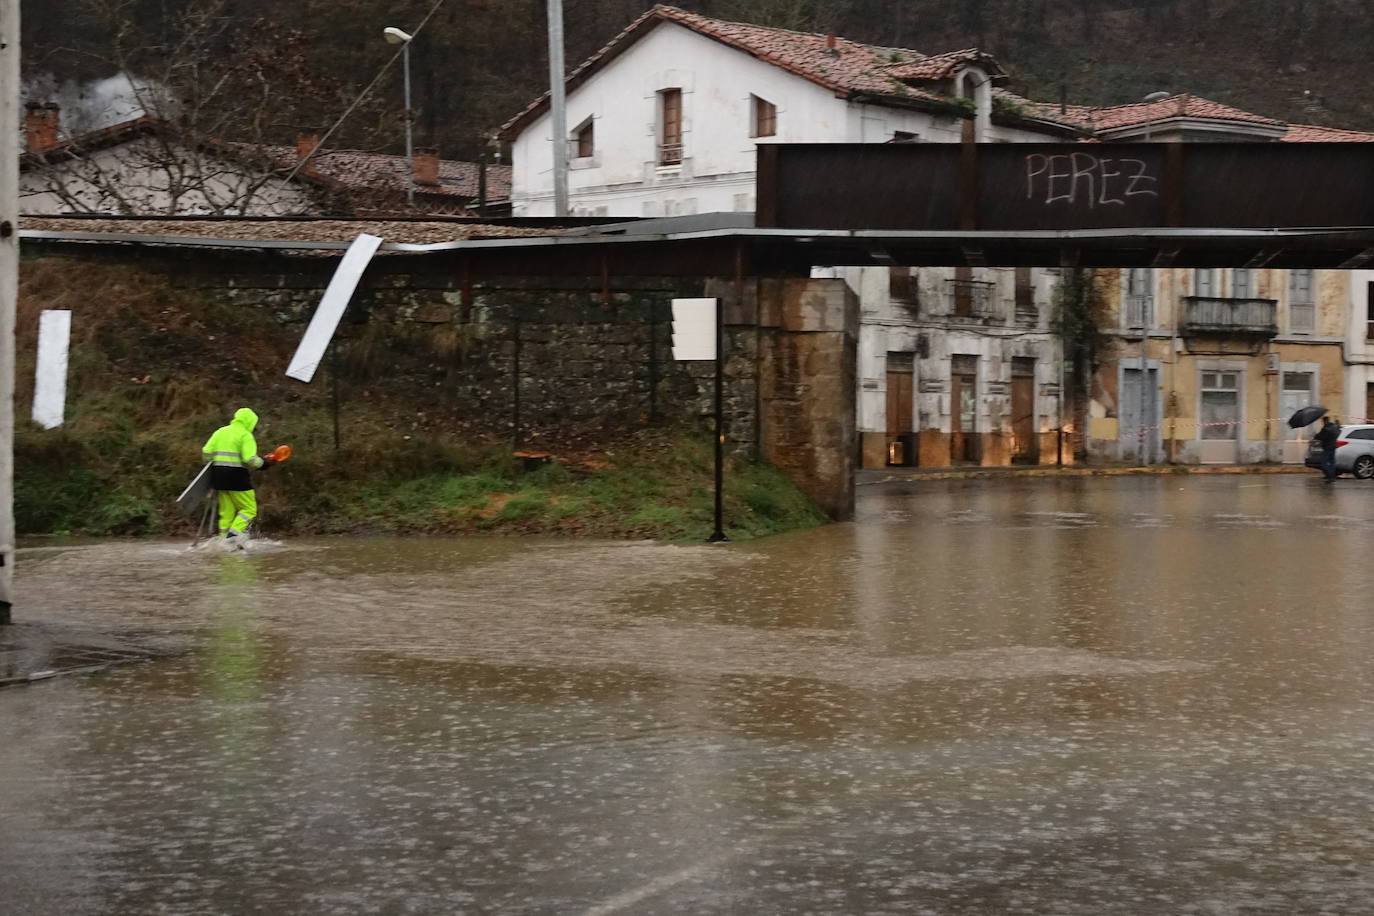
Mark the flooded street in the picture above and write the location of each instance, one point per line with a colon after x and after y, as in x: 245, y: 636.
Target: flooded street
x: 1072, y: 696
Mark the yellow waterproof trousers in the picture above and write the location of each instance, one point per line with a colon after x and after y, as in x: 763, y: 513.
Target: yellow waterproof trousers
x: 236, y: 509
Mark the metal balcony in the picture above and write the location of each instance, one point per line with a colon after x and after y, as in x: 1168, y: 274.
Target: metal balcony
x: 1214, y: 317
x: 969, y: 299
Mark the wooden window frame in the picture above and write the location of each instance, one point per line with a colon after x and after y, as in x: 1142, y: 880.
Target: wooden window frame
x: 764, y: 115
x: 584, y: 140
x: 670, y: 127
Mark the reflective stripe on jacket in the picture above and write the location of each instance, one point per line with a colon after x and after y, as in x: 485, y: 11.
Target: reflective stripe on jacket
x: 231, y: 451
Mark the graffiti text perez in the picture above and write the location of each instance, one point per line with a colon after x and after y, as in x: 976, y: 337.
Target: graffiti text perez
x: 1087, y: 180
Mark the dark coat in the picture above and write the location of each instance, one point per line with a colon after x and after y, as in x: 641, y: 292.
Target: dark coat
x: 1327, y: 436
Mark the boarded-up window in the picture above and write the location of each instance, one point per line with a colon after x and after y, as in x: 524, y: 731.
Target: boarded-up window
x: 1025, y: 290
x: 765, y: 117
x: 1242, y: 283
x: 1205, y: 282
x: 1302, y: 309
x: 963, y: 291
x: 903, y: 284
x: 670, y: 121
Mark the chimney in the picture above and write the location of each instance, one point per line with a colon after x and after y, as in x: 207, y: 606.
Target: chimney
x: 41, y: 123
x: 306, y: 142
x: 830, y: 46
x: 426, y: 167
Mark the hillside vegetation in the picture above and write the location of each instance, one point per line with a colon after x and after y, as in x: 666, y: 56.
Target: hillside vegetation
x: 153, y: 370
x: 480, y: 61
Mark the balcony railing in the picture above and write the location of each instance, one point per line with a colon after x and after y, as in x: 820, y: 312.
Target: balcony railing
x: 669, y: 153
x: 967, y: 299
x: 1207, y: 315
x: 1140, y: 311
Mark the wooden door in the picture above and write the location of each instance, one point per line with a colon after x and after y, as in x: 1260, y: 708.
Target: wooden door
x: 963, y: 408
x: 901, y: 373
x: 1024, y: 446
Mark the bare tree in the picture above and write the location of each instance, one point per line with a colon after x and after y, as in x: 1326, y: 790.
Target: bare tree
x: 210, y: 108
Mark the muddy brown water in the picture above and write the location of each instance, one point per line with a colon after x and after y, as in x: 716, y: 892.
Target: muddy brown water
x: 1087, y: 696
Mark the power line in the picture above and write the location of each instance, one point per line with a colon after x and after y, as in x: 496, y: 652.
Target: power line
x: 362, y: 95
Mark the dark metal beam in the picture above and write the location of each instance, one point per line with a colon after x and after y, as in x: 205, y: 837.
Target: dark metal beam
x: 1262, y: 258
x: 1359, y: 260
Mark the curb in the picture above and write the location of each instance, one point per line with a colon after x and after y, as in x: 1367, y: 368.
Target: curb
x: 1008, y: 473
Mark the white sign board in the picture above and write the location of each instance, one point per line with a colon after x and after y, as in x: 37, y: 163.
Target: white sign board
x: 310, y: 352
x: 50, y: 379
x: 694, y: 328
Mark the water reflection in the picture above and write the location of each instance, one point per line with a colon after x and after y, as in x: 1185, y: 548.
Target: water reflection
x: 1078, y: 696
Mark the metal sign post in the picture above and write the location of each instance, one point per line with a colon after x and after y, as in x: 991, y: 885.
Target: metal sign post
x: 699, y: 334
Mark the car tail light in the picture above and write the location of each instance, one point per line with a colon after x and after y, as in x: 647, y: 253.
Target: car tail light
x: 1340, y: 442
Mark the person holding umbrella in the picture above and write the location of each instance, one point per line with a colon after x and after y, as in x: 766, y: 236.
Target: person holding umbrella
x: 1327, y: 437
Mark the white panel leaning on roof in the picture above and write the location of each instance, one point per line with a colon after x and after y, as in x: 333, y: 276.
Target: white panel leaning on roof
x: 50, y: 378
x: 310, y: 352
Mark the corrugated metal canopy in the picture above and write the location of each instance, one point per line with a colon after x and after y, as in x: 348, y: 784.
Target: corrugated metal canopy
x: 720, y: 244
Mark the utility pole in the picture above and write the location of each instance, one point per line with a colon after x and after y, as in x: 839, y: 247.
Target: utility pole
x: 9, y: 286
x: 558, y: 115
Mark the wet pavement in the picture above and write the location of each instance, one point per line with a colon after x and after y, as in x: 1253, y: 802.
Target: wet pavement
x: 1069, y: 696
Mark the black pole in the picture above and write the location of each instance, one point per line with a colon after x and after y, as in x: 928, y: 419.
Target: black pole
x: 719, y: 533
x: 482, y: 185
x: 334, y: 389
x: 653, y: 364
x: 515, y: 385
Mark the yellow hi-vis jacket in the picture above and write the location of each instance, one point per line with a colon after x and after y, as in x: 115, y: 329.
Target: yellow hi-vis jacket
x: 232, y: 451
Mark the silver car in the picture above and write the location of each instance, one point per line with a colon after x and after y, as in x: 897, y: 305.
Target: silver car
x: 1354, y: 452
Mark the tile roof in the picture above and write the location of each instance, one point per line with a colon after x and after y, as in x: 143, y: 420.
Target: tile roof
x: 312, y: 230
x: 359, y: 170
x: 1183, y: 105
x: 845, y: 67
x: 1311, y: 133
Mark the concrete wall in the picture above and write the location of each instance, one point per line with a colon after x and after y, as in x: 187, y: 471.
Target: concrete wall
x: 587, y: 363
x: 807, y: 388
x: 925, y: 327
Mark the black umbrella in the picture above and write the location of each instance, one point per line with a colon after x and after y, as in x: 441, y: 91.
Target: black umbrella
x: 1306, y: 416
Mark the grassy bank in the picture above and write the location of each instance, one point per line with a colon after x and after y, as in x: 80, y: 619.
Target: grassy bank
x: 154, y: 370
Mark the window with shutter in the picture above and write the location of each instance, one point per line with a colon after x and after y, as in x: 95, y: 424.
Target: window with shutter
x: 670, y: 127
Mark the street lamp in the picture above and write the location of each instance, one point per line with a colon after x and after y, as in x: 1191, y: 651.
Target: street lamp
x: 395, y: 36
x: 1153, y: 97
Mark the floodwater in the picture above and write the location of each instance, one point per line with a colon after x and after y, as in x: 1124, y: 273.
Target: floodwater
x: 1083, y: 696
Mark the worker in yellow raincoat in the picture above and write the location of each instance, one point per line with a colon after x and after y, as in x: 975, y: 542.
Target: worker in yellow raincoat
x: 232, y: 452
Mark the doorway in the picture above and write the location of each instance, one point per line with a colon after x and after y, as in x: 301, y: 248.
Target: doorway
x: 963, y: 410
x: 901, y: 373
x: 1025, y: 444
x: 1139, y: 415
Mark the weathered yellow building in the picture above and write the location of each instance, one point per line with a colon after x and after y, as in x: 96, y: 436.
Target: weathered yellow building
x: 1229, y: 354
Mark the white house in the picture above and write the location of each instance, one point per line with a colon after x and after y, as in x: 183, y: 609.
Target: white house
x: 956, y: 365
x: 148, y: 166
x: 960, y: 364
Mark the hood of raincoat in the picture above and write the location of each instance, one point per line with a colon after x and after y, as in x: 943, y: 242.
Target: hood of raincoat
x: 246, y: 418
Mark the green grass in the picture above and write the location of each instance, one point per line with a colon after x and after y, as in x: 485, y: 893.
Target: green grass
x: 154, y: 372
